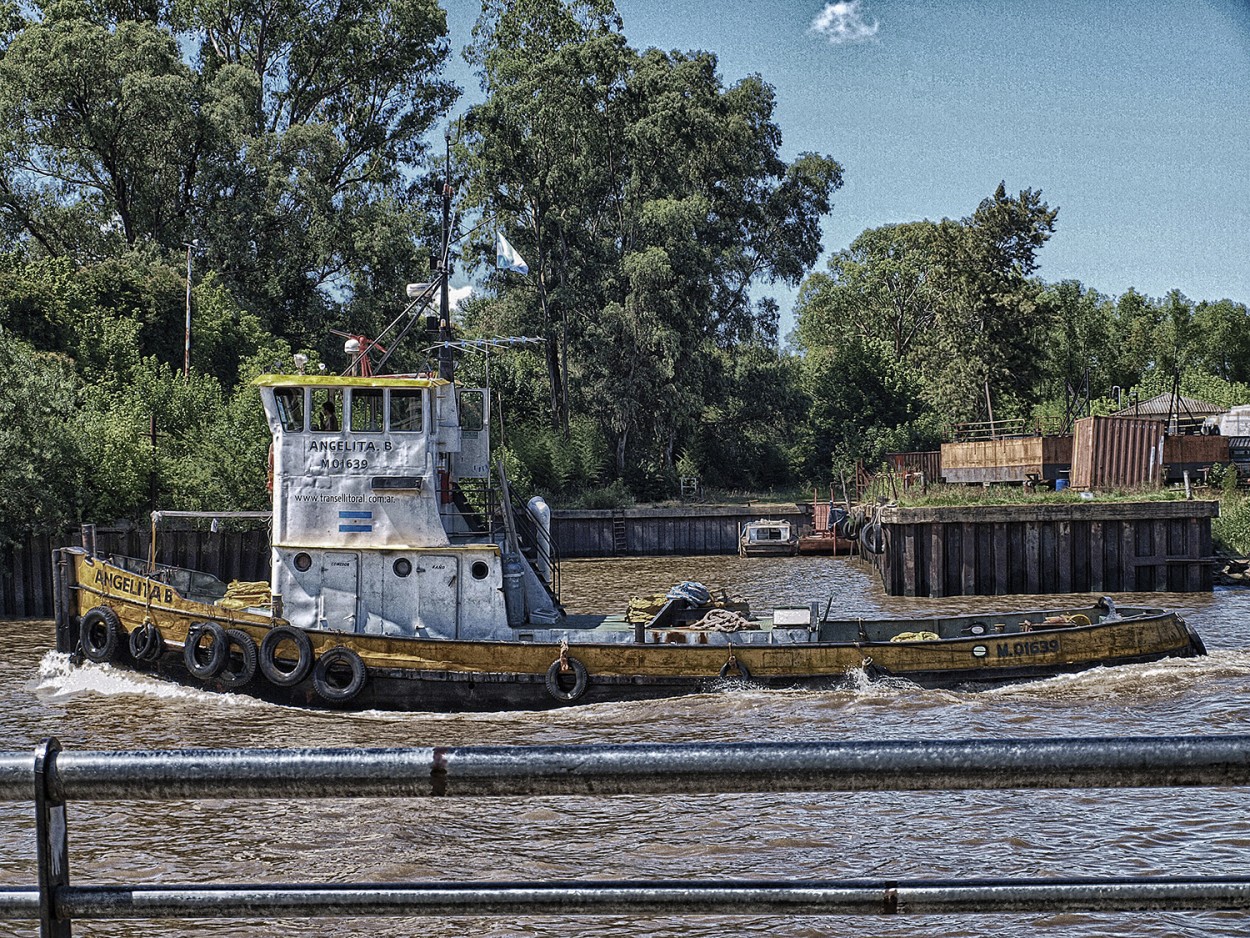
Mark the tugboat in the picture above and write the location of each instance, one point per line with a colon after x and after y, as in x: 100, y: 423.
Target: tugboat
x: 407, y: 575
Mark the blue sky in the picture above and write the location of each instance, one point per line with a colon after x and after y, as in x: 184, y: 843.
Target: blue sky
x: 1133, y: 118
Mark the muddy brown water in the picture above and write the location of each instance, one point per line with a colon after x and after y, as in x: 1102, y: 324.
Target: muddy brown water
x: 900, y: 835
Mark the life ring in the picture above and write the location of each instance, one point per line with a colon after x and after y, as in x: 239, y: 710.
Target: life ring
x: 205, y: 663
x: 269, y: 662
x: 581, y: 679
x: 99, y: 634
x: 733, y: 664
x: 145, y: 643
x: 325, y: 675
x: 233, y: 677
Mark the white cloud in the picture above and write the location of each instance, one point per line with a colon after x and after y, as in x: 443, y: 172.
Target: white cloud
x: 844, y: 22
x: 457, y: 294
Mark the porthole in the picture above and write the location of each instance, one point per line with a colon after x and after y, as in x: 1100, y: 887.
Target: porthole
x: 402, y: 566
x: 302, y: 562
x: 480, y: 569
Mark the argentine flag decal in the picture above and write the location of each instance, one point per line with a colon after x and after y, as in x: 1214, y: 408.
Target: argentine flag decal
x: 355, y: 522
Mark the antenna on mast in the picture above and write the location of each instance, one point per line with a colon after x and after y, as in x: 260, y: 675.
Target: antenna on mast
x: 446, y: 364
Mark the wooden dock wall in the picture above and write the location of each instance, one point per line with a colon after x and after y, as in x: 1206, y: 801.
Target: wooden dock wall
x: 1089, y: 547
x: 659, y: 531
x: 26, y: 569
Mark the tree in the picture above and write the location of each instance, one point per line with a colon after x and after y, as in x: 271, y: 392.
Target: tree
x: 1082, y: 360
x: 1224, y: 348
x: 319, y: 197
x: 101, y: 131
x: 648, y: 198
x: 952, y: 303
x: 291, y: 146
x: 864, y: 403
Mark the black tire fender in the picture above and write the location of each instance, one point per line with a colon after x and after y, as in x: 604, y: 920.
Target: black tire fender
x: 145, y: 643
x: 241, y: 660
x: 205, y: 663
x: 269, y: 647
x: 581, y: 680
x: 326, y: 685
x: 733, y: 664
x: 99, y: 634
x: 873, y: 538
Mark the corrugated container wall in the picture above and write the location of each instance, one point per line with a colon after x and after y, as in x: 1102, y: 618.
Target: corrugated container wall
x: 1117, y: 452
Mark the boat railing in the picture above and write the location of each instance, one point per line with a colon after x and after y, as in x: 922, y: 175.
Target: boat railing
x: 982, y: 430
x: 54, y: 778
x: 536, y: 542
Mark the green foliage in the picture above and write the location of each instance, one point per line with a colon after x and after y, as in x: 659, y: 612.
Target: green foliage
x: 951, y: 302
x: 1231, y: 530
x: 557, y: 466
x: 41, y: 473
x: 648, y: 194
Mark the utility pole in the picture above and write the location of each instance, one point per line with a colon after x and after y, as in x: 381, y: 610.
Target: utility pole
x: 186, y: 353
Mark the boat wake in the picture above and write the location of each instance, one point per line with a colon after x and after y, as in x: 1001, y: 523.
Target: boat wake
x: 1156, y: 680
x: 57, y: 677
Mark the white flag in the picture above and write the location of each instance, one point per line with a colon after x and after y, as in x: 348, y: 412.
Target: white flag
x: 506, y: 256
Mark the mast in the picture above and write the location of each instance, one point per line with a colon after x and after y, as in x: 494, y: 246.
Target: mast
x: 446, y: 366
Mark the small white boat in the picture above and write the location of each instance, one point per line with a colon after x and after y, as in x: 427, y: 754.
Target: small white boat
x: 767, y: 538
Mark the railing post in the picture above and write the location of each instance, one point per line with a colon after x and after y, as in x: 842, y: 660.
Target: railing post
x: 52, y: 835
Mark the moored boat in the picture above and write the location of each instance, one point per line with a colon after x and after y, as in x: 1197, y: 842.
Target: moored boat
x: 831, y: 531
x: 767, y: 538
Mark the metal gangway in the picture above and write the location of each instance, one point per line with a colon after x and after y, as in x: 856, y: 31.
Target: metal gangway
x: 54, y: 778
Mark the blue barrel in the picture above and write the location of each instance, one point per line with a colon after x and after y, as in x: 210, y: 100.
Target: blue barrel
x: 1061, y: 484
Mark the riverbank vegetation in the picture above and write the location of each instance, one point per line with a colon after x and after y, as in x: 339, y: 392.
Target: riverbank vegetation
x: 287, y: 172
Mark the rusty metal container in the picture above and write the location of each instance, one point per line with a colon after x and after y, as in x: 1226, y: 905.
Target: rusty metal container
x: 1117, y: 452
x: 1012, y: 459
x: 1194, y: 453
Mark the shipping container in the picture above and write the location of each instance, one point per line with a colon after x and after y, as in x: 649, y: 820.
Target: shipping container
x: 1117, y: 452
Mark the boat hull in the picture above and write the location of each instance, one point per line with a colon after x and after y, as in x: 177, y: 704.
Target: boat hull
x: 446, y: 675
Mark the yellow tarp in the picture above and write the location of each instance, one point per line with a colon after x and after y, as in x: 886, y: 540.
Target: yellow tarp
x: 241, y: 594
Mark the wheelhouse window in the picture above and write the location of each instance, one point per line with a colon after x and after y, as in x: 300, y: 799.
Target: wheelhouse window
x: 472, y: 410
x: 366, y: 410
x: 327, y: 410
x: 290, y: 404
x: 406, y: 410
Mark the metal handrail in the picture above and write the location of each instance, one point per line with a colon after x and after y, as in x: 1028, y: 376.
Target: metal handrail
x: 54, y: 778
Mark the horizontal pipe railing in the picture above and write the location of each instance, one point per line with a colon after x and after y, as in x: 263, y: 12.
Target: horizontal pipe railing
x: 54, y: 778
x: 475, y: 771
x: 817, y: 897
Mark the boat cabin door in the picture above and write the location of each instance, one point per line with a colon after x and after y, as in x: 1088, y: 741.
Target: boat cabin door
x: 340, y: 590
x: 474, y: 459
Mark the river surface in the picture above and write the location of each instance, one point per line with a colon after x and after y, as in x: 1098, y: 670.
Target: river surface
x: 901, y: 835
